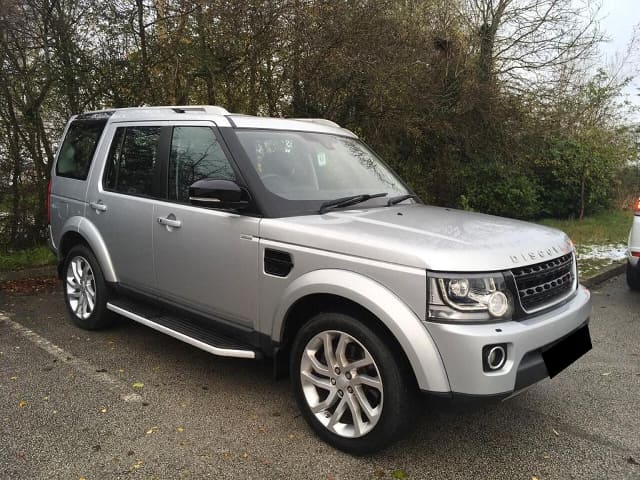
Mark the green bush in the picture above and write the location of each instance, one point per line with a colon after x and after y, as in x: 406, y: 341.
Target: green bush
x: 501, y: 190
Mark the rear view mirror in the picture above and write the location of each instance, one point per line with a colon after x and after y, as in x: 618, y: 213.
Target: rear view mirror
x: 221, y: 194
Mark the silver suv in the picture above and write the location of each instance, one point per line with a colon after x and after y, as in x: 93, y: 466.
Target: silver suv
x: 288, y: 239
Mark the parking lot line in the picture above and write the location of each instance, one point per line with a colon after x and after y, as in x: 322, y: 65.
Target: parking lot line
x: 110, y: 382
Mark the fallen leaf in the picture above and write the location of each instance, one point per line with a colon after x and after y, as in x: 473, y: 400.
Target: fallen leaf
x: 151, y: 430
x: 179, y: 429
x: 138, y: 385
x: 14, y: 378
x: 137, y: 465
x: 103, y: 410
x: 534, y: 478
x: 399, y: 474
x: 83, y: 478
x: 22, y: 403
x: 245, y: 455
x: 120, y: 370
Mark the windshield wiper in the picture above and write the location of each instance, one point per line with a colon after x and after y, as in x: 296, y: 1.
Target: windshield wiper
x: 348, y: 201
x: 401, y: 198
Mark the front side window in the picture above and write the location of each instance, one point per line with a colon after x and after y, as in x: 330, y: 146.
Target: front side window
x: 78, y: 148
x: 195, y: 154
x: 132, y: 160
x: 307, y: 166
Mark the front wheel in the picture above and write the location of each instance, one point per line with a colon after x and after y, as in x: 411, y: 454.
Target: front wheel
x: 633, y: 277
x: 350, y: 387
x: 85, y: 290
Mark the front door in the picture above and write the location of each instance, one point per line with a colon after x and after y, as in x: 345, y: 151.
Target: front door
x: 205, y: 260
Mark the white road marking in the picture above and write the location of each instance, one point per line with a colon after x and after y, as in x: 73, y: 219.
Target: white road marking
x: 82, y: 366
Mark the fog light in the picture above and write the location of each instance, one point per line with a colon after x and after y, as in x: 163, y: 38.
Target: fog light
x: 494, y: 357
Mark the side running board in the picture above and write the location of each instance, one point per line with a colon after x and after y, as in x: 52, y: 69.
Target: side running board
x: 188, y: 332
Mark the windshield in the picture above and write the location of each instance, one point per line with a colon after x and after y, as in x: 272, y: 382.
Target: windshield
x: 317, y: 166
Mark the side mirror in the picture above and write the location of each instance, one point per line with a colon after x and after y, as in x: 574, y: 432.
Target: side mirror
x: 221, y: 194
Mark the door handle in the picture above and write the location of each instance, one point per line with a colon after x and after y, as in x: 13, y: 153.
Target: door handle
x: 98, y: 206
x: 169, y: 222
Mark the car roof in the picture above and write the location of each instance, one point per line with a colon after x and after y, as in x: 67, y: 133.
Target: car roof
x: 217, y: 114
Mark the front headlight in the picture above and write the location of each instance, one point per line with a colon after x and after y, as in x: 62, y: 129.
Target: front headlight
x: 469, y: 297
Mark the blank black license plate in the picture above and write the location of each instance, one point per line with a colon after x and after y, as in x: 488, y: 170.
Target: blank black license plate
x: 562, y: 354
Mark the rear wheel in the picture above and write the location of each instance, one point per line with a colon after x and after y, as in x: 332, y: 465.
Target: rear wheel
x: 349, y: 385
x: 633, y: 277
x: 85, y: 291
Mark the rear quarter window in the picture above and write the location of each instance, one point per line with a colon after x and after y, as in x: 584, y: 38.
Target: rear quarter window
x: 78, y: 148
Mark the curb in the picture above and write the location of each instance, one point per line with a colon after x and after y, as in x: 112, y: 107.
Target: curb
x: 610, y: 272
x: 38, y: 272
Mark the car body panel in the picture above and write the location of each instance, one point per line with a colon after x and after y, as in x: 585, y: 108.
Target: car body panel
x: 404, y: 325
x: 210, y: 263
x: 633, y: 244
x: 461, y: 345
x: 89, y: 232
x: 425, y: 237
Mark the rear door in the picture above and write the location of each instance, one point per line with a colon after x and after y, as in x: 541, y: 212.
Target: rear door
x: 121, y: 200
x: 206, y: 260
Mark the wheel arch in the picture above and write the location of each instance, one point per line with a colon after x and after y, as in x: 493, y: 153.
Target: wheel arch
x: 326, y: 290
x: 78, y: 230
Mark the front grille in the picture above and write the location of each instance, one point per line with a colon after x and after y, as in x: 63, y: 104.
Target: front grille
x: 543, y: 283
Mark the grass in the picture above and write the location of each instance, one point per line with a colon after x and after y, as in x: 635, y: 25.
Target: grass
x: 599, y: 239
x: 31, y: 257
x: 601, y: 229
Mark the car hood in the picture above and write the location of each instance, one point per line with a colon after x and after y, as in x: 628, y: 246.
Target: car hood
x: 422, y: 236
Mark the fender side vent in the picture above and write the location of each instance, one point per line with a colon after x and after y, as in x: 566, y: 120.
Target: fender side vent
x: 277, y: 263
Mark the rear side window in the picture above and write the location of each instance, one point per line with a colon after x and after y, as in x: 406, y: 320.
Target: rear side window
x: 195, y: 154
x: 132, y: 160
x: 78, y: 148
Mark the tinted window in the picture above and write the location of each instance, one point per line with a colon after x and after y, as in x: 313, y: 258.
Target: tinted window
x: 78, y: 148
x: 195, y: 154
x: 132, y: 160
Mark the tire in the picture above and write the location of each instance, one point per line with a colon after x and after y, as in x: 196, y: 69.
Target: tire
x: 84, y: 285
x: 633, y: 278
x: 327, y: 397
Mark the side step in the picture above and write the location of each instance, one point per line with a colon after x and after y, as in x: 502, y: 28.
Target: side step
x: 188, y: 332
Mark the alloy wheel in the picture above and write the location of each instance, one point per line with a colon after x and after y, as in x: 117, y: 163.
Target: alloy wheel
x: 341, y: 383
x: 81, y: 287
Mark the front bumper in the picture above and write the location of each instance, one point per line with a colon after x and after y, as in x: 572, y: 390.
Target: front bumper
x: 460, y: 347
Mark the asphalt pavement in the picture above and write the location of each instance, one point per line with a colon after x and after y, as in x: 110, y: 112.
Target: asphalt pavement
x: 131, y: 403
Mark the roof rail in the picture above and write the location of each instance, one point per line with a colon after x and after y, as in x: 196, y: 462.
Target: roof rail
x: 207, y: 109
x: 210, y: 109
x: 321, y: 121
